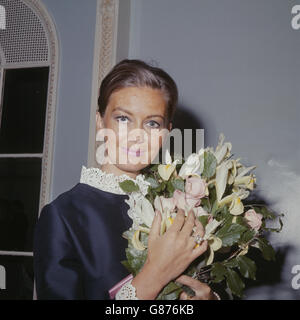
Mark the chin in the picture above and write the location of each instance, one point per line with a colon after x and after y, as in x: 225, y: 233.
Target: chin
x: 132, y: 167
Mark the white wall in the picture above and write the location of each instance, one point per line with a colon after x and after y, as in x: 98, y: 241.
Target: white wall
x: 236, y: 64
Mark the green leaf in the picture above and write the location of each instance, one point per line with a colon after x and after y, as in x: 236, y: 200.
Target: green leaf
x: 136, y: 258
x: 129, y: 186
x: 267, y: 250
x: 178, y: 184
x: 161, y: 187
x: 247, y: 236
x: 242, y: 221
x: 266, y: 213
x: 205, y: 204
x: 223, y: 213
x: 203, y: 220
x: 234, y: 282
x: 170, y: 187
x: 218, y: 272
x: 212, y: 194
x: 246, y: 267
x: 153, y: 182
x: 170, y: 292
x: 231, y: 263
x: 214, y: 208
x: 230, y: 233
x: 210, y: 164
x: 153, y: 168
x: 127, y: 265
x: 275, y: 229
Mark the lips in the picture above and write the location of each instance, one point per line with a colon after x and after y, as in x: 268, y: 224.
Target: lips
x: 136, y: 153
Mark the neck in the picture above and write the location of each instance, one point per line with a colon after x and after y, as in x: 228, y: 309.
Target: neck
x: 110, y: 168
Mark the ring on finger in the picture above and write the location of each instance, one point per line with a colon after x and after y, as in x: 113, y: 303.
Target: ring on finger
x: 198, y: 239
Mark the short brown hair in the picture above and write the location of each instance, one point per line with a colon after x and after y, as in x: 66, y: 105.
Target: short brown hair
x: 137, y: 73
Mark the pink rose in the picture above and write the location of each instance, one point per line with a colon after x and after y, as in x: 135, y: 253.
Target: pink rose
x: 195, y: 187
x: 253, y: 219
x: 179, y: 199
x: 183, y: 202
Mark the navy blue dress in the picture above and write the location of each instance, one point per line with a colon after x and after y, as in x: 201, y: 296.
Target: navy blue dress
x: 78, y: 244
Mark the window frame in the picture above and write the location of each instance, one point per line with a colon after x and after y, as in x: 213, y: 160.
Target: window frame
x: 45, y: 19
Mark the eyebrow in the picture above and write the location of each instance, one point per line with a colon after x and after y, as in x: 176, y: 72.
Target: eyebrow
x: 153, y: 115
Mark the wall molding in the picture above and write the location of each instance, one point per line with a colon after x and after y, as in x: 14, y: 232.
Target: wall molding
x: 104, y: 59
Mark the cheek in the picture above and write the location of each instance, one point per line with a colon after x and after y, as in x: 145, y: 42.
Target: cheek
x: 119, y: 131
x: 122, y: 136
x: 157, y: 139
x: 155, y: 143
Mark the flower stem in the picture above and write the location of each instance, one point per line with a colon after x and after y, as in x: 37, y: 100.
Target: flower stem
x: 233, y: 255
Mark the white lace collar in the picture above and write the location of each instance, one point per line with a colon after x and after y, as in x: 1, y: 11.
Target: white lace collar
x: 109, y: 182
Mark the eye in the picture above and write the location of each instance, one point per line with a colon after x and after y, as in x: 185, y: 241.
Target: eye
x: 153, y: 124
x: 122, y: 119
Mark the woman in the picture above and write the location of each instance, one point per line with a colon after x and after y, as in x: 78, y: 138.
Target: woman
x: 78, y: 247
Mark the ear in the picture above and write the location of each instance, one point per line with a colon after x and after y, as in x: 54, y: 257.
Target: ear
x: 99, y: 121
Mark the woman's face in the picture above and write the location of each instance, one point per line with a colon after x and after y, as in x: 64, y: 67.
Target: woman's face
x: 137, y: 121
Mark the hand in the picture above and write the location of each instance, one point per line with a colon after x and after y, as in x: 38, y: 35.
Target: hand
x: 168, y: 254
x: 171, y: 253
x: 202, y: 290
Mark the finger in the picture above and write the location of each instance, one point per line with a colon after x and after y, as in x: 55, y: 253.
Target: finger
x: 198, y: 250
x: 199, y: 228
x: 155, y: 227
x: 189, y: 224
x: 178, y: 221
x: 183, y: 296
x: 190, y: 282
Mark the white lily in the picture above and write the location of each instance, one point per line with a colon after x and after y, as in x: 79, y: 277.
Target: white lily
x: 233, y: 171
x: 222, y: 178
x: 144, y: 229
x: 192, y: 165
x: 237, y: 192
x: 226, y: 200
x: 166, y: 170
x: 145, y: 211
x: 167, y: 221
x: 201, y: 160
x: 136, y: 241
x: 210, y: 228
x: 236, y: 208
x: 247, y: 181
x: 222, y: 150
x: 242, y: 171
x: 215, y: 244
x: 158, y: 204
x: 165, y: 206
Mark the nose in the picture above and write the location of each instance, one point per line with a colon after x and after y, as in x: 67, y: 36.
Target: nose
x: 137, y: 133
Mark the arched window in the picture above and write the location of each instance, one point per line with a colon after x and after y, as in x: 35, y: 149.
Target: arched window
x: 28, y: 81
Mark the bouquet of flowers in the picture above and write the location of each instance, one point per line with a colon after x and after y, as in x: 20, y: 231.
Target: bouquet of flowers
x: 214, y: 185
